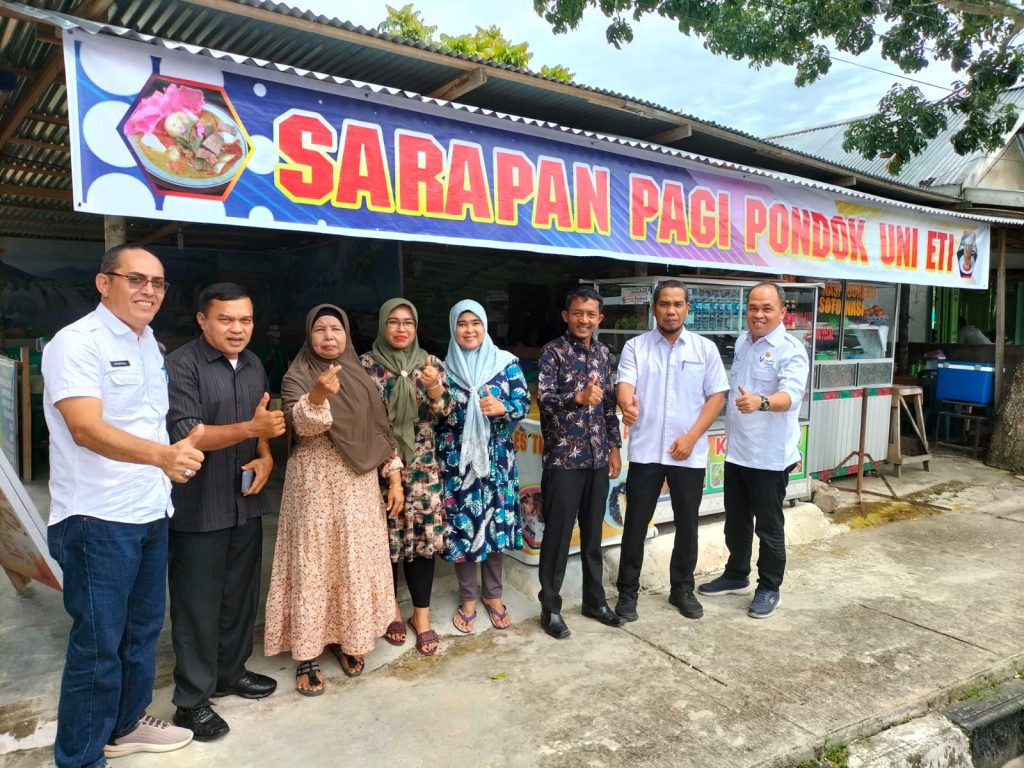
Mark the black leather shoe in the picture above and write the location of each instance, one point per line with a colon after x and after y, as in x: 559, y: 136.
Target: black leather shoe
x: 554, y: 625
x: 626, y: 608
x: 205, y: 724
x: 251, y: 685
x: 605, y: 615
x: 686, y: 603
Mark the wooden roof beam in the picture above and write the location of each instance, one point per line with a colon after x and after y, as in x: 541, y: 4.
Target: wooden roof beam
x: 672, y: 135
x: 47, y: 74
x: 44, y: 193
x: 59, y: 173
x: 159, y: 234
x: 52, y: 146
x: 845, y: 181
x: 461, y: 85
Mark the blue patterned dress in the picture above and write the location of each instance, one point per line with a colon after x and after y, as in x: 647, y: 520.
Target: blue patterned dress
x: 485, y: 516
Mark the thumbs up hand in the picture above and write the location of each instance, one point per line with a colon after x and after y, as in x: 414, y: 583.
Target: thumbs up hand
x: 182, y: 460
x: 747, y: 402
x: 266, y: 423
x: 327, y: 384
x: 592, y: 394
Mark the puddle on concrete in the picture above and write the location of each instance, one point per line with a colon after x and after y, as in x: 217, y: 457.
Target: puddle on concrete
x: 872, y: 514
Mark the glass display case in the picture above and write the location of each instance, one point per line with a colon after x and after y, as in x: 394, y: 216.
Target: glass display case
x: 717, y: 311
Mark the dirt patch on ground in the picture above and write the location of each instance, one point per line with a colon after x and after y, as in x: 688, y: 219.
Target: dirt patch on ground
x: 872, y: 514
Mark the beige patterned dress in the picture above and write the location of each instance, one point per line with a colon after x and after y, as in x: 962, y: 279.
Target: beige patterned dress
x: 331, y: 581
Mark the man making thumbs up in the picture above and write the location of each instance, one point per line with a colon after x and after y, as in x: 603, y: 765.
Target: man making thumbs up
x: 216, y: 539
x: 581, y: 453
x: 111, y: 469
x: 768, y: 379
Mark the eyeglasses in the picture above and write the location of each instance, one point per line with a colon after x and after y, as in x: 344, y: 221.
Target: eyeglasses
x: 138, y: 282
x: 400, y: 323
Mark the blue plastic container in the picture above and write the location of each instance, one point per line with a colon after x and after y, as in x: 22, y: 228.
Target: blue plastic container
x: 966, y: 382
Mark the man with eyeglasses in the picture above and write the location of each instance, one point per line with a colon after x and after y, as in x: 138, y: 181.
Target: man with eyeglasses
x: 216, y: 539
x: 111, y: 468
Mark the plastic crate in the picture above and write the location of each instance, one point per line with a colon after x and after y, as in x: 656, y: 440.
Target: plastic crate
x: 966, y: 382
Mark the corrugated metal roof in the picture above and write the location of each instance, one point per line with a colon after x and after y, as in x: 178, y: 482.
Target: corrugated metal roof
x: 938, y: 165
x: 34, y: 157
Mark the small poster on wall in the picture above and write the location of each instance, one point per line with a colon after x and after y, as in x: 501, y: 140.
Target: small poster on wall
x: 9, y: 410
x: 23, y: 551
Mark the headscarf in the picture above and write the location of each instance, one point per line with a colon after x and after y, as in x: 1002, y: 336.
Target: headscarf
x: 402, y: 408
x: 360, y: 428
x: 471, y: 369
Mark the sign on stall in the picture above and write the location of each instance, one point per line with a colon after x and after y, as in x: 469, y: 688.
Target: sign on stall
x: 168, y: 133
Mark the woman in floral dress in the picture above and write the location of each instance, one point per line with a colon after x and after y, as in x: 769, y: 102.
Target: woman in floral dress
x: 414, y: 388
x: 331, y: 585
x: 474, y: 446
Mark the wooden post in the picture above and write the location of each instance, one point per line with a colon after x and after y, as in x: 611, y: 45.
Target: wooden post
x: 114, y: 231
x: 25, y: 420
x: 1000, y: 339
x: 903, y: 332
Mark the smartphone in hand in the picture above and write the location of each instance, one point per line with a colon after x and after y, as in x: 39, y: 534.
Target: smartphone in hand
x: 248, y: 477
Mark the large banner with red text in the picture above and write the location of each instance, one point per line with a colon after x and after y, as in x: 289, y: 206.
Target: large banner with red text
x: 168, y: 134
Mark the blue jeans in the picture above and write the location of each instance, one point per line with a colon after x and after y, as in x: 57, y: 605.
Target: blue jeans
x: 114, y: 591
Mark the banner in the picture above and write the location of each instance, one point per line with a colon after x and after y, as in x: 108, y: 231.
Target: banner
x: 168, y: 134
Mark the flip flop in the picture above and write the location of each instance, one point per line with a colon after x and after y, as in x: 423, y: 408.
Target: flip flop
x: 495, y: 616
x: 312, y: 671
x: 423, y: 639
x: 467, y: 620
x: 355, y: 664
x: 396, y: 627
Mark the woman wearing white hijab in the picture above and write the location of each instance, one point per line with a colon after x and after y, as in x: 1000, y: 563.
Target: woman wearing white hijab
x: 474, y: 448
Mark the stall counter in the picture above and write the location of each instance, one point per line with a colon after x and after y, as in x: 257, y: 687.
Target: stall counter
x: 529, y: 446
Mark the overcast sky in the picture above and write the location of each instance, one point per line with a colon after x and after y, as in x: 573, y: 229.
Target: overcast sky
x: 661, y: 65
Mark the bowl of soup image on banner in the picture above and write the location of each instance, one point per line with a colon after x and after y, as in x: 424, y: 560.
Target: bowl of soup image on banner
x: 186, y: 138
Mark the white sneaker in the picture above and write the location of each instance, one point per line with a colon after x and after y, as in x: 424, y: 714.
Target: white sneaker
x: 150, y: 735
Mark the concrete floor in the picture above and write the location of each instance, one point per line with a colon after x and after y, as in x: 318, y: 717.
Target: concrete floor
x: 876, y: 625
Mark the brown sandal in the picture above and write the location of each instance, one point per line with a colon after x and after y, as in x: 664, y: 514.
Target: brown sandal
x: 423, y: 639
x: 311, y: 669
x: 351, y: 665
x: 397, y: 629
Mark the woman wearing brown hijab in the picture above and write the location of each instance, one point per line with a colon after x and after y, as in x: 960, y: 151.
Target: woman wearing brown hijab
x: 331, y: 584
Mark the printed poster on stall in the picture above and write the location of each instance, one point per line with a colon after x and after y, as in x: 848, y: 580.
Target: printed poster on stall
x: 171, y: 134
x: 23, y: 550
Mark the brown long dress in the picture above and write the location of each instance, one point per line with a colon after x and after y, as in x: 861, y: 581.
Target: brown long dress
x: 331, y: 580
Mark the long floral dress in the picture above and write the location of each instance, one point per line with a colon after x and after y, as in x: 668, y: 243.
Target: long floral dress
x: 331, y: 580
x: 485, y: 516
x: 418, y: 530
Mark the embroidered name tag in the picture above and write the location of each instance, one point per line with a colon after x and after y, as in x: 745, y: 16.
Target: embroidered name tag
x: 120, y: 363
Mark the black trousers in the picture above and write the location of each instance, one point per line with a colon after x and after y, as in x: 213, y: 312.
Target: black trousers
x: 643, y: 487
x: 419, y: 578
x: 568, y: 495
x: 753, y: 504
x: 214, y: 581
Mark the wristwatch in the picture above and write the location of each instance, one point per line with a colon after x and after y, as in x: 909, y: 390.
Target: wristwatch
x: 765, y: 405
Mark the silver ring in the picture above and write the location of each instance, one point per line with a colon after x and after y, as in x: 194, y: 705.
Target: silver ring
x: 188, y: 473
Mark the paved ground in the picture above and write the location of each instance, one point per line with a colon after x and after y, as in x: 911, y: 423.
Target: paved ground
x: 877, y: 624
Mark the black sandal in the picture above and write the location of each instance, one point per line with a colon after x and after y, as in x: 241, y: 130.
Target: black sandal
x: 312, y: 671
x: 355, y: 664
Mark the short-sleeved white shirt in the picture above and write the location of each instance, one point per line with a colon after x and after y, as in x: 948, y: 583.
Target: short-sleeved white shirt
x: 99, y: 356
x: 673, y: 383
x: 773, y: 363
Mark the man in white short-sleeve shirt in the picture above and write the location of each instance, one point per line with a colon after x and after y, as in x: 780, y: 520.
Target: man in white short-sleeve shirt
x: 670, y: 387
x: 105, y: 403
x: 768, y: 379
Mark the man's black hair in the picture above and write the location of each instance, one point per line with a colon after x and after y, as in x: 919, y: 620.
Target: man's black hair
x: 221, y: 292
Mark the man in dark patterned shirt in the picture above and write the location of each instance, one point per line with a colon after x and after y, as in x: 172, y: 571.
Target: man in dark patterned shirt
x: 581, y: 453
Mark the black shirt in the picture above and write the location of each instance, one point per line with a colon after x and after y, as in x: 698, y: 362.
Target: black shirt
x: 204, y: 388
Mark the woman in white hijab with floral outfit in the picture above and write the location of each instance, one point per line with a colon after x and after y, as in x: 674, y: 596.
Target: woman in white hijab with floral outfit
x: 474, y: 449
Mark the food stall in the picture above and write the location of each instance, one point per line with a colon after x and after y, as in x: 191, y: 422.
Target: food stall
x: 717, y: 311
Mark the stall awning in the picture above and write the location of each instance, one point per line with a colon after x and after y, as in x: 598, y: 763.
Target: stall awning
x: 170, y: 131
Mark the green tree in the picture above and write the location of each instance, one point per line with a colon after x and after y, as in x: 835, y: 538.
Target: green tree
x: 486, y: 43
x: 980, y: 40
